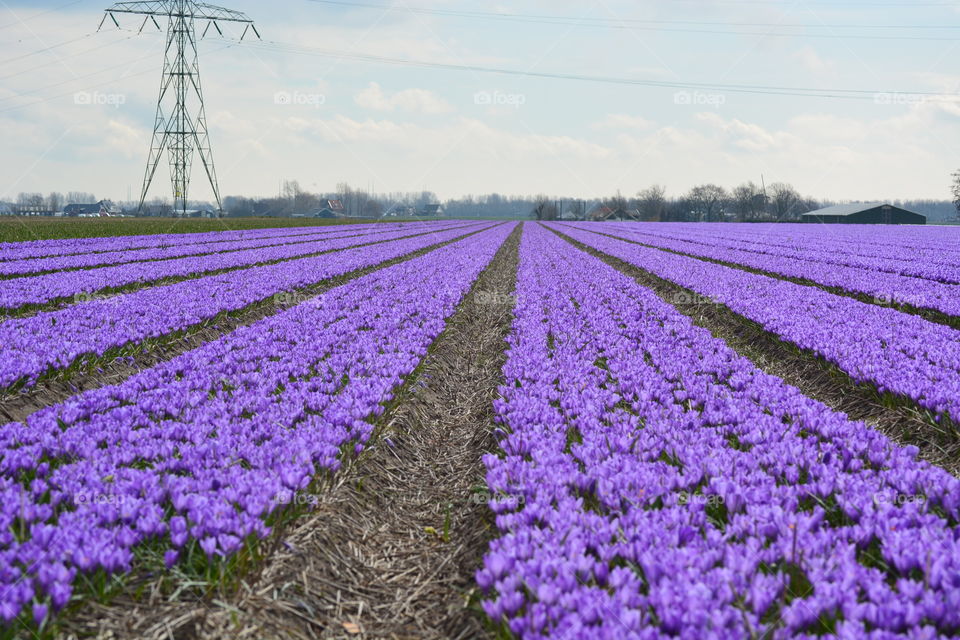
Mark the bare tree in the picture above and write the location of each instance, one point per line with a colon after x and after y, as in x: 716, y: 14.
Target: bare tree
x: 618, y: 204
x: 372, y: 209
x: 80, y: 197
x: 955, y: 189
x: 159, y: 206
x: 361, y: 198
x: 653, y: 202
x: 750, y: 201
x: 425, y: 198
x: 579, y: 209
x: 30, y: 199
x: 346, y: 195
x: 55, y: 201
x: 290, y: 189
x: 544, y: 209
x: 305, y: 202
x: 708, y: 202
x: 785, y: 201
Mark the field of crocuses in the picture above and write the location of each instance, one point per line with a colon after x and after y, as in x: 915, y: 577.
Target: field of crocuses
x: 55, y: 339
x: 897, y: 352
x: 652, y: 483
x: 200, y: 450
x: 888, y: 275
x: 644, y: 479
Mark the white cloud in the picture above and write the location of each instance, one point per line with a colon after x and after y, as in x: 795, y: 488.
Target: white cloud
x: 808, y: 58
x: 414, y: 100
x: 749, y: 137
x: 124, y: 139
x: 471, y: 134
x: 623, y: 121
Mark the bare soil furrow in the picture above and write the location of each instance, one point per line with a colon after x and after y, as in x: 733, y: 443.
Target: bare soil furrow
x: 391, y: 544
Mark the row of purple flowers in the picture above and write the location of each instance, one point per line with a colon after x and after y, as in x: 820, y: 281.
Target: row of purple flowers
x: 56, y: 339
x: 77, y: 246
x: 930, y: 253
x: 896, y: 352
x: 652, y: 483
x: 201, y: 449
x: 23, y: 267
x: 40, y: 289
x: 883, y: 287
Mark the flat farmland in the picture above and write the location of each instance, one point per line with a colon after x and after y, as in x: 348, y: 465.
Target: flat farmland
x: 480, y: 429
x: 20, y: 229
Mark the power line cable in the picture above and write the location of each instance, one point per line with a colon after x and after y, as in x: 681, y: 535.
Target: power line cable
x: 73, y: 54
x: 776, y: 90
x: 19, y: 21
x: 67, y: 93
x: 68, y: 81
x: 103, y: 84
x: 49, y: 48
x: 853, y: 94
x: 949, y: 4
x: 634, y: 24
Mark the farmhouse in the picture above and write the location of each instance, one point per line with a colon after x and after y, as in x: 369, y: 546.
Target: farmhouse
x: 197, y: 213
x: 400, y: 211
x: 332, y: 209
x: 33, y: 210
x: 103, y: 208
x: 864, y: 213
x: 600, y: 213
x: 407, y: 211
x: 626, y: 214
x: 603, y: 213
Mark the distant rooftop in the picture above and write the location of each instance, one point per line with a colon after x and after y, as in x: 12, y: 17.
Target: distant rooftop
x: 848, y: 209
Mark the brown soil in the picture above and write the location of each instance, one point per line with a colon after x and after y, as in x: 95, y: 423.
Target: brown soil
x: 905, y: 423
x: 390, y: 549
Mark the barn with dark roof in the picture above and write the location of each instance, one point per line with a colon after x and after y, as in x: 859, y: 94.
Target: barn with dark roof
x: 864, y: 213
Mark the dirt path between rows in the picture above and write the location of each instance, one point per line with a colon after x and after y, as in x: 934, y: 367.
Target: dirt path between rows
x: 114, y: 369
x: 939, y: 444
x: 391, y: 548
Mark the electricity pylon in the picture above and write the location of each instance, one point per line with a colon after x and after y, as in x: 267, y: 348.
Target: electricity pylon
x: 180, y: 130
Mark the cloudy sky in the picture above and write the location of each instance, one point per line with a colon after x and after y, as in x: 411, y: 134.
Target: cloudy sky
x: 623, y: 94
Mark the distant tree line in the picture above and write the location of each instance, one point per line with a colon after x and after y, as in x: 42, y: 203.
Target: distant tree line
x: 294, y: 200
x: 747, y: 202
x: 54, y: 201
x: 703, y: 203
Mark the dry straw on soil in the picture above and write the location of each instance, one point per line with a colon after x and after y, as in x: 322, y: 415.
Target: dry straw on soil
x: 390, y: 549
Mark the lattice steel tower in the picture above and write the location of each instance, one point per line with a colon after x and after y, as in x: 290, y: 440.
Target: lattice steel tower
x: 181, y: 124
